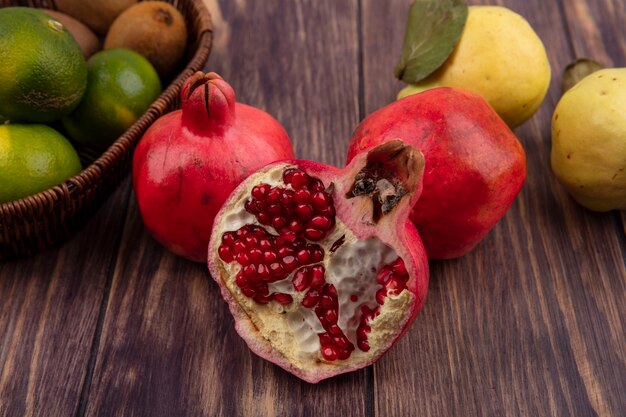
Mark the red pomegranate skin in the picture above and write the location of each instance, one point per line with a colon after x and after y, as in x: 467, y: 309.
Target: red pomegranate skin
x: 475, y: 165
x: 190, y: 160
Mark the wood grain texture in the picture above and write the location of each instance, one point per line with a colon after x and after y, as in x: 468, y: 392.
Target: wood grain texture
x: 49, y: 309
x: 531, y: 322
x: 168, y: 346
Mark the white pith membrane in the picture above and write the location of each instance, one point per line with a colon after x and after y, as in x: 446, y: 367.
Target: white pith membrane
x: 292, y: 329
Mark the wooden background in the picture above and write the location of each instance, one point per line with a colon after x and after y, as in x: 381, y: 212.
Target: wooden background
x: 529, y: 324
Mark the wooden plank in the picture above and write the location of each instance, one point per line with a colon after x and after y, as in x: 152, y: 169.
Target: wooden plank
x: 531, y: 322
x: 168, y: 343
x: 49, y: 309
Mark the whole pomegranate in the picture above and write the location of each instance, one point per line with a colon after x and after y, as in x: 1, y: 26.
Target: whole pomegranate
x: 475, y: 166
x: 190, y: 160
x: 320, y: 266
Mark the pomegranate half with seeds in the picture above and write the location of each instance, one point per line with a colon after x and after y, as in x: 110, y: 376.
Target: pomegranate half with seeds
x: 321, y: 267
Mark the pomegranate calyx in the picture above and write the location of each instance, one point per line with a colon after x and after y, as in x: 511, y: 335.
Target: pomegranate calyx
x: 208, y: 103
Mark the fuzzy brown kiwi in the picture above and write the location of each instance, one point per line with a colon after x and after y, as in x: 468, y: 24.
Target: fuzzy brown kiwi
x: 86, y: 39
x: 97, y: 14
x: 154, y: 29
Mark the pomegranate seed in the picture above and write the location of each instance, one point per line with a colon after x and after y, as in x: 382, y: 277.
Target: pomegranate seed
x: 242, y: 259
x: 241, y: 280
x: 263, y: 272
x: 381, y: 294
x: 248, y: 292
x: 317, y: 185
x: 277, y: 270
x: 317, y: 255
x: 303, y: 256
x: 329, y: 353
x: 274, y: 195
x: 279, y: 222
x: 317, y: 277
x: 341, y: 343
x: 288, y: 174
x: 363, y: 345
x: 354, y: 298
x: 269, y: 257
x: 302, y: 196
x: 321, y: 223
x: 320, y: 200
x: 264, y: 218
x: 335, y: 330
x: 225, y: 254
x: 301, y: 279
x: 398, y: 267
x: 239, y: 247
x: 310, y: 299
x: 304, y: 211
x: 249, y: 270
x: 275, y: 209
x: 228, y: 238
x: 327, y: 211
x: 343, y: 354
x: 265, y: 244
x: 290, y: 263
x: 299, y: 179
x: 394, y: 285
x: 384, y: 274
x: 332, y: 291
x: 326, y: 302
x: 331, y: 316
x: 281, y: 298
x: 326, y: 339
x: 314, y: 234
x: 295, y: 226
x: 262, y: 299
x: 255, y: 255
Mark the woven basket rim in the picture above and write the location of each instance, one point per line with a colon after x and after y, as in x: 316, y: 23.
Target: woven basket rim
x: 124, y: 143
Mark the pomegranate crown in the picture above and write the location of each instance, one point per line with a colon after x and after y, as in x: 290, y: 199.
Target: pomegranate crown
x: 208, y: 102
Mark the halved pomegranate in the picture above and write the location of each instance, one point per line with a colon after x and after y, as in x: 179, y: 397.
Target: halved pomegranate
x: 321, y: 267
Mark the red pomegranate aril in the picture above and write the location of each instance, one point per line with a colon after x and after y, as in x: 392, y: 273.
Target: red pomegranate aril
x: 264, y: 218
x: 335, y: 330
x: 399, y: 268
x: 329, y: 353
x: 310, y: 299
x: 265, y: 244
x: 301, y: 280
x: 320, y: 200
x: 314, y: 234
x: 259, y: 191
x: 363, y: 345
x: 317, y: 255
x: 277, y: 269
x: 327, y: 302
x: 303, y: 256
x: 242, y: 259
x: 249, y: 270
x: 317, y: 277
x: 228, y: 238
x: 331, y: 316
x: 302, y: 196
x: 290, y: 263
x: 381, y: 294
x: 262, y: 299
x: 239, y: 247
x: 269, y: 257
x: 288, y: 175
x: 299, y: 180
x: 283, y: 298
x: 321, y: 223
x: 295, y: 226
x: 225, y: 254
x: 279, y: 222
x: 384, y: 275
x: 304, y: 211
x: 275, y: 209
x: 331, y: 291
x: 255, y: 255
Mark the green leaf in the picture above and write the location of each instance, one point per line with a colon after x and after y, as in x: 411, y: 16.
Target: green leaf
x: 578, y: 70
x: 433, y: 29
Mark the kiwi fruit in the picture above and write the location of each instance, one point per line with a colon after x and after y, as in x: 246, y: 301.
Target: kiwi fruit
x: 155, y: 30
x: 97, y: 14
x: 86, y: 39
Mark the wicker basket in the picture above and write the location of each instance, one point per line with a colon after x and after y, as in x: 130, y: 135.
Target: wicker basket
x: 34, y: 223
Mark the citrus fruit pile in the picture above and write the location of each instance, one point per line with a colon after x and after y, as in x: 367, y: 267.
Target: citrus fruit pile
x: 57, y: 90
